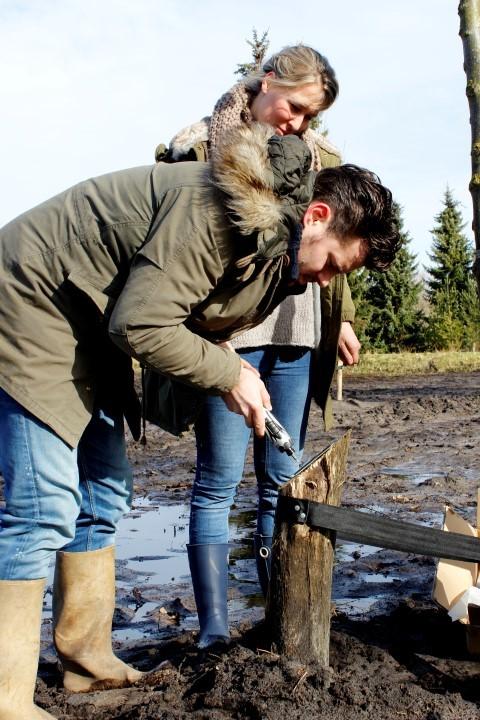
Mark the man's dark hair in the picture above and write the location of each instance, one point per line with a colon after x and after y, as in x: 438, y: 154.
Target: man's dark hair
x: 363, y: 207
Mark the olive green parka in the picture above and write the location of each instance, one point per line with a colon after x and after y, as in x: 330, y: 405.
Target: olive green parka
x: 336, y: 305
x: 157, y: 263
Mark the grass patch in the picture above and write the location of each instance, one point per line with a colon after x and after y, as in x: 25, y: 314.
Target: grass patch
x: 415, y: 363
x: 406, y: 363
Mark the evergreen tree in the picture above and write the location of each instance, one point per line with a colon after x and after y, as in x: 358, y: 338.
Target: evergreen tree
x: 396, y: 323
x: 358, y: 281
x: 472, y: 324
x: 451, y: 255
x: 453, y: 321
x: 259, y: 48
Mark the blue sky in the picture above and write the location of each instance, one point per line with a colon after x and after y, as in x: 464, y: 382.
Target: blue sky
x: 90, y: 86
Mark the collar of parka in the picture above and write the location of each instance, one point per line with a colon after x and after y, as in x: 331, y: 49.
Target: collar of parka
x: 266, y: 183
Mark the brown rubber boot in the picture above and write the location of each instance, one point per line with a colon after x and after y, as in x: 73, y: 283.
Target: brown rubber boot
x: 83, y: 606
x: 20, y: 618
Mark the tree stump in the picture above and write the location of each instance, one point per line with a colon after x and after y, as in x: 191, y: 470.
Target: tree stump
x: 299, y: 599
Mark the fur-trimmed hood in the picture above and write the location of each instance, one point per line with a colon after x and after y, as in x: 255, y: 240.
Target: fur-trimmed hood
x: 187, y: 138
x: 265, y: 179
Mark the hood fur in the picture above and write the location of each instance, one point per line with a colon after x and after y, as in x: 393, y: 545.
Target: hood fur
x: 266, y: 179
x: 241, y: 169
x: 262, y: 176
x: 188, y: 137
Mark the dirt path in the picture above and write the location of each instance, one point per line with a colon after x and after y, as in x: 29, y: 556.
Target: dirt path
x: 414, y: 448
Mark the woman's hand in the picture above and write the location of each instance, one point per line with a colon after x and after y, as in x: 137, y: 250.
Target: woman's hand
x: 348, y: 345
x: 249, y: 397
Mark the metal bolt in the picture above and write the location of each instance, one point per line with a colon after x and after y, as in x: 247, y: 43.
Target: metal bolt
x: 302, y: 516
x: 297, y: 507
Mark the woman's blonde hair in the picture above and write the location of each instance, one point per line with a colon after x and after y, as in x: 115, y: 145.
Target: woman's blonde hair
x: 297, y: 65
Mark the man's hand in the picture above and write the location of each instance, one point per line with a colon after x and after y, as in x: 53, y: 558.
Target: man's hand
x: 249, y: 397
x: 348, y: 345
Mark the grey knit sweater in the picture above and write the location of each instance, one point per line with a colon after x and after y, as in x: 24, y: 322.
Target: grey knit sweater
x: 291, y: 323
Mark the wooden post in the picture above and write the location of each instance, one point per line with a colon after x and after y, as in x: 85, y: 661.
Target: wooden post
x: 340, y: 380
x: 299, y: 600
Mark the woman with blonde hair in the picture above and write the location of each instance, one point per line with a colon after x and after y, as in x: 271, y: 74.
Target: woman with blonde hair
x: 294, y: 350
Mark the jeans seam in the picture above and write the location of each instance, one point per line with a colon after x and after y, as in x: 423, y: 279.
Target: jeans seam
x: 93, y: 508
x: 32, y: 484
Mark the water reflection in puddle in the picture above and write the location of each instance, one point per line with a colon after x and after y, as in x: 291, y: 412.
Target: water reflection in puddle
x: 345, y: 551
x: 378, y: 578
x: 356, y: 607
x: 152, y: 555
x: 417, y: 474
x: 153, y: 542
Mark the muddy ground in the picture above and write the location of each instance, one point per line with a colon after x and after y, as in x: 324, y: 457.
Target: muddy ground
x: 394, y: 654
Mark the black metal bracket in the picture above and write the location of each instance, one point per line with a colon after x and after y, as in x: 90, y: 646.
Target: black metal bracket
x: 378, y: 530
x: 293, y: 510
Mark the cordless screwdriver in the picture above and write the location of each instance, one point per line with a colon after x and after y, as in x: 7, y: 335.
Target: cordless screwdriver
x: 278, y: 435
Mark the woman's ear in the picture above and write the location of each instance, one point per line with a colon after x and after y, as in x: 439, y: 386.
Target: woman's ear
x: 317, y: 212
x: 265, y: 80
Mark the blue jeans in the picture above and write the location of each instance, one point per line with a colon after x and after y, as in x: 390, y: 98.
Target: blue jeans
x: 222, y: 441
x: 57, y: 497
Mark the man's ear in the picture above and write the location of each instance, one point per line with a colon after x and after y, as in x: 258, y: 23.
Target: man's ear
x: 317, y: 212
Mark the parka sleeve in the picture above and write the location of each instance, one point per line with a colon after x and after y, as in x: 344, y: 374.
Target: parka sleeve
x: 175, y: 271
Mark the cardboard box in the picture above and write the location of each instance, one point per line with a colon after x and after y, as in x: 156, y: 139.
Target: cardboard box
x: 455, y: 586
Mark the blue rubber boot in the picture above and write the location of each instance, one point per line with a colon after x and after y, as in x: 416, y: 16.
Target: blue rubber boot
x: 263, y: 556
x: 209, y: 571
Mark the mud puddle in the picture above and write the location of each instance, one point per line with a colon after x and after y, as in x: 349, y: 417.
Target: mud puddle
x: 416, y: 474
x: 152, y: 552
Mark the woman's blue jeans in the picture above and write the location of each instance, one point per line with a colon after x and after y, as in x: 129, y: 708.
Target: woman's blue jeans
x: 57, y: 497
x: 222, y: 441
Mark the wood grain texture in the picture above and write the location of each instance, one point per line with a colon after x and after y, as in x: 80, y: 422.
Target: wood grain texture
x: 298, y: 604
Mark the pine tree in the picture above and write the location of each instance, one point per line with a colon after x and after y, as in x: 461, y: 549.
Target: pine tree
x: 451, y: 255
x: 397, y: 323
x: 472, y: 324
x: 453, y: 321
x: 358, y: 281
x: 259, y: 48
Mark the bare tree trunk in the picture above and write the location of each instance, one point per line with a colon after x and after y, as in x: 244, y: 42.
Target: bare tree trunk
x: 299, y: 601
x: 469, y: 11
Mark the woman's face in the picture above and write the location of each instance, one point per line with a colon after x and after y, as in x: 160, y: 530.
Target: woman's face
x: 287, y: 109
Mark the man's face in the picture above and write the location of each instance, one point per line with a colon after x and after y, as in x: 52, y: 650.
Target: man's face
x: 322, y: 254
